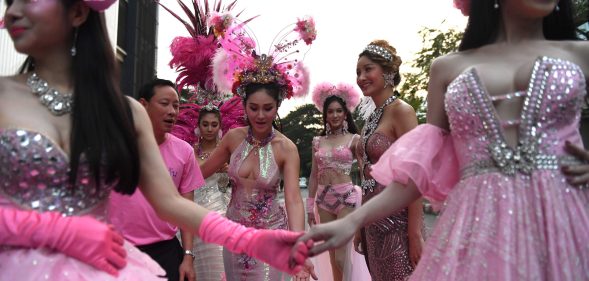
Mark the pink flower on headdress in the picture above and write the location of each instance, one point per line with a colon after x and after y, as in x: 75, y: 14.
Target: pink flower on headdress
x: 220, y: 22
x: 463, y: 6
x: 306, y: 28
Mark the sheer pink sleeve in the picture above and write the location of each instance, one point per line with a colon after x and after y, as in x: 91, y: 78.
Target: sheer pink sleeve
x: 424, y: 155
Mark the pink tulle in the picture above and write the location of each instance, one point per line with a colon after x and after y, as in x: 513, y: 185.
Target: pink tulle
x: 345, y: 91
x: 191, y: 58
x: 424, y: 155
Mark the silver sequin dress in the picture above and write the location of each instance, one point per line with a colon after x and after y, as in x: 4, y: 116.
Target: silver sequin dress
x: 34, y: 176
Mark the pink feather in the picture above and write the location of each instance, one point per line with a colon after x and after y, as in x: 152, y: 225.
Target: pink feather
x: 233, y: 114
x: 191, y: 58
x: 186, y: 123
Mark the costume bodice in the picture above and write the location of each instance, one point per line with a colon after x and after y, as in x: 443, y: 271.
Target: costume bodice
x: 550, y: 115
x: 34, y: 174
x: 339, y: 158
x: 255, y: 202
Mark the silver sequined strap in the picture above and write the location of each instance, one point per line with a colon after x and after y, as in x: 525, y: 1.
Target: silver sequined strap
x: 368, y: 186
x: 540, y: 162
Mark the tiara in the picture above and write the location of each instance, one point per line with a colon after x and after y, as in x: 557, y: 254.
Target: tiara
x: 238, y: 63
x: 344, y: 91
x: 379, y: 51
x: 211, y: 107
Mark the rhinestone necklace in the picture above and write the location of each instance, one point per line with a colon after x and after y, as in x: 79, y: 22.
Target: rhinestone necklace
x: 369, y: 129
x: 57, y: 103
x: 259, y: 143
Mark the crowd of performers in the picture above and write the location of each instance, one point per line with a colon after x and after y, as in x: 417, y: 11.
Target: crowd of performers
x: 98, y: 186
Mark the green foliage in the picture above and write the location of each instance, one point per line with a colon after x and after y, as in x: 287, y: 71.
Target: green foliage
x: 581, y: 16
x: 300, y: 126
x: 436, y: 43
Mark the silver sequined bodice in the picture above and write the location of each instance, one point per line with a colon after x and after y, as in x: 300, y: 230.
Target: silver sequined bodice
x: 549, y: 116
x: 34, y: 175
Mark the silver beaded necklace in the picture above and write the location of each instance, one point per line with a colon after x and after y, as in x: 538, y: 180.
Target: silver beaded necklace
x: 369, y: 128
x: 57, y: 103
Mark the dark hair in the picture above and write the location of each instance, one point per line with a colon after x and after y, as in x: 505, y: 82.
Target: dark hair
x: 204, y: 111
x: 351, y: 124
x: 102, y: 121
x: 148, y: 89
x: 273, y: 90
x: 483, y: 24
x: 386, y: 65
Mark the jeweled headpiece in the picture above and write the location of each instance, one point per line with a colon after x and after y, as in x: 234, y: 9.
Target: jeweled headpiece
x: 379, y: 51
x: 238, y: 63
x: 347, y: 92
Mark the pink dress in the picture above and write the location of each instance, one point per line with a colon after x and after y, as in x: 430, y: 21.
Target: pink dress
x: 254, y: 204
x: 34, y: 176
x: 508, y: 213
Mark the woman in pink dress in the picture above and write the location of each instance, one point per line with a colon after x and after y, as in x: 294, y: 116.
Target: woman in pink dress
x: 498, y: 150
x: 67, y: 137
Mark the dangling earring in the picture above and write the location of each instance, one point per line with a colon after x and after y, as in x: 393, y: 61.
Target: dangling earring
x: 73, y: 50
x: 219, y: 135
x: 345, y: 130
x: 557, y: 8
x: 389, y: 79
x: 327, y: 129
x: 496, y: 6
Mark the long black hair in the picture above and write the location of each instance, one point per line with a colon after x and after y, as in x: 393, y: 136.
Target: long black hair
x: 102, y: 134
x: 483, y: 24
x: 351, y: 124
x: 273, y: 90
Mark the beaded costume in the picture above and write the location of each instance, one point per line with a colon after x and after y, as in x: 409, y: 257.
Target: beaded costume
x: 334, y: 197
x: 254, y: 203
x: 34, y: 176
x: 385, y: 242
x: 509, y: 213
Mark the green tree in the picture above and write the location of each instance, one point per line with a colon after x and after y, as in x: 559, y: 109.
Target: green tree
x: 300, y: 126
x: 436, y: 43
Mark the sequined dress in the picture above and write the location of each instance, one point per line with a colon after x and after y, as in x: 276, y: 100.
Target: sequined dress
x: 385, y: 242
x: 34, y: 176
x: 509, y: 213
x: 254, y: 203
x: 214, y: 196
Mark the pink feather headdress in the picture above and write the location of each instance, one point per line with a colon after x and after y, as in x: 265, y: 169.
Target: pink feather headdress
x: 347, y: 92
x: 238, y: 63
x: 192, y: 58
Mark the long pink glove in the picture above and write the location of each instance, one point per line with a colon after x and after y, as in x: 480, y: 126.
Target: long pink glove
x: 83, y: 238
x: 273, y: 247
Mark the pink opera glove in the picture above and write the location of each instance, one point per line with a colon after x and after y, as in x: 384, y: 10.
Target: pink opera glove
x: 83, y: 238
x: 273, y: 247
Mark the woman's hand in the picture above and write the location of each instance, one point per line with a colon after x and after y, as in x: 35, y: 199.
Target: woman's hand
x: 577, y: 174
x: 333, y: 234
x: 415, y: 249
x: 307, y: 273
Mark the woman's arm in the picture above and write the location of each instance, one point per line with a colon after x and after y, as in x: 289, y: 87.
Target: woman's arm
x: 405, y: 120
x: 292, y: 194
x: 392, y: 198
x: 312, y: 186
